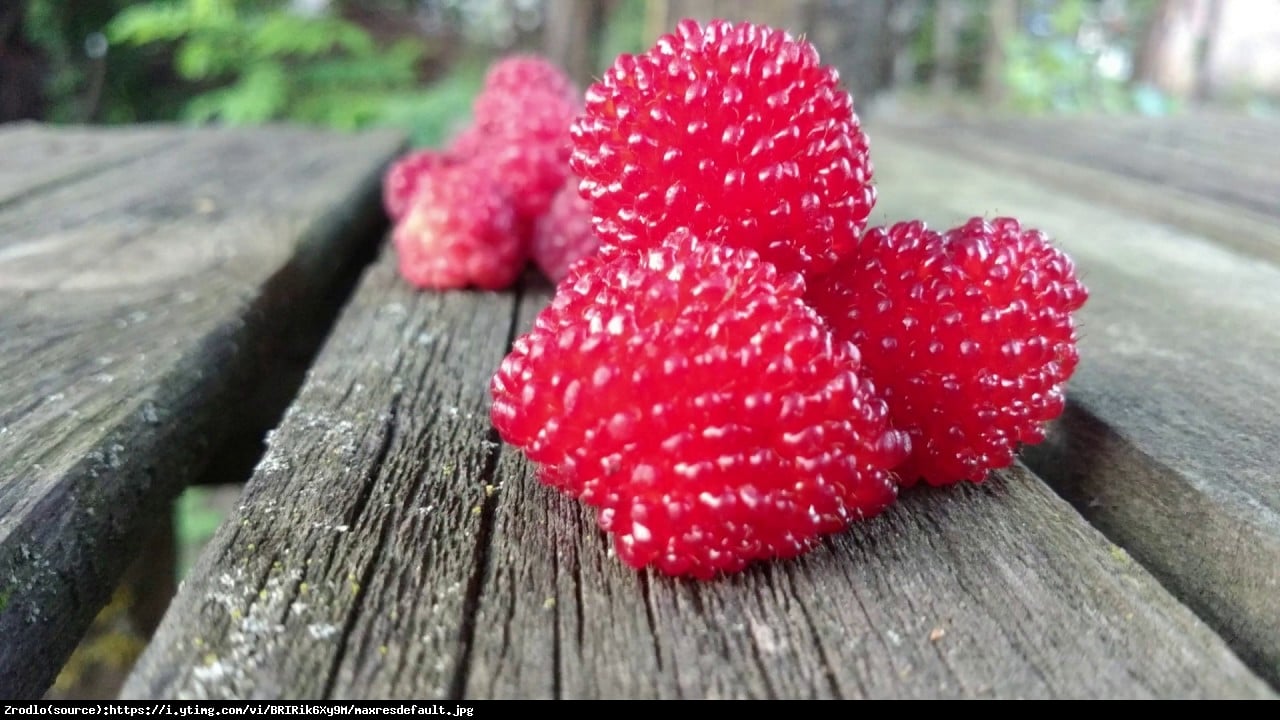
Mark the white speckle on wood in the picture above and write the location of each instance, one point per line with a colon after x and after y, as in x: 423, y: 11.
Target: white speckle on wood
x: 149, y: 413
x: 322, y: 632
x: 766, y: 639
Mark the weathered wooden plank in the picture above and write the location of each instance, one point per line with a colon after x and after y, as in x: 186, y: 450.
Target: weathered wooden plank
x: 351, y: 561
x: 1222, y: 141
x: 135, y: 307
x: 1169, y: 444
x: 1250, y: 183
x: 993, y: 591
x: 1224, y: 144
x: 1240, y: 229
x: 387, y: 547
x: 34, y: 157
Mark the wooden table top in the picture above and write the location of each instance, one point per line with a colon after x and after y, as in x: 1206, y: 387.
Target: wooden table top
x: 387, y: 545
x: 147, y: 277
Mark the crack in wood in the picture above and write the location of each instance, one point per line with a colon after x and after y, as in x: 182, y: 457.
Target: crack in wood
x: 484, y: 538
x: 391, y: 426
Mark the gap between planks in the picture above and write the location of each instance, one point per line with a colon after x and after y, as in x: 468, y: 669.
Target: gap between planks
x: 308, y: 590
x: 90, y: 257
x: 1166, y: 444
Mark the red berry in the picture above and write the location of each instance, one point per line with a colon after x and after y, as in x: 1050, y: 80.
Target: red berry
x: 735, y: 132
x: 563, y: 235
x: 459, y: 230
x: 521, y: 131
x: 689, y: 393
x: 967, y: 334
x: 531, y: 174
x: 401, y: 180
x: 523, y: 74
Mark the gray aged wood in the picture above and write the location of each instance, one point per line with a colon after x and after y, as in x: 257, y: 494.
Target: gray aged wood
x: 1228, y: 224
x: 36, y: 157
x: 998, y: 591
x: 352, y: 556
x: 388, y: 547
x: 1169, y: 442
x: 1240, y: 172
x: 136, y: 304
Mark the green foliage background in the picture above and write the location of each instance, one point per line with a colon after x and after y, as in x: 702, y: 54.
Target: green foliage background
x: 255, y: 61
x: 1058, y: 74
x: 134, y: 84
x: 242, y: 62
x: 262, y: 63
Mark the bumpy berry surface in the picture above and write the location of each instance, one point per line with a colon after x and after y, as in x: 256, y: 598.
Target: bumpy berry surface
x: 459, y: 231
x: 564, y: 235
x: 523, y: 74
x: 735, y: 132
x: 521, y: 130
x: 967, y: 334
x: 401, y: 180
x: 689, y: 393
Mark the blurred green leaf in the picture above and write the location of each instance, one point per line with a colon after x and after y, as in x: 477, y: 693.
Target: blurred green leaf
x: 213, y: 11
x: 195, y: 59
x: 1068, y: 16
x: 196, y: 522
x: 436, y: 114
x: 377, y: 71
x: 271, y: 63
x: 257, y: 97
x: 624, y: 32
x: 142, y: 24
x: 281, y: 34
x: 1060, y: 73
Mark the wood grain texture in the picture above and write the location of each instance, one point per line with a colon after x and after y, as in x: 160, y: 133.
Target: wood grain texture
x: 1241, y: 171
x: 349, y: 567
x: 993, y: 591
x: 36, y: 157
x: 1169, y: 443
x: 135, y: 307
x: 1227, y: 224
x: 387, y: 547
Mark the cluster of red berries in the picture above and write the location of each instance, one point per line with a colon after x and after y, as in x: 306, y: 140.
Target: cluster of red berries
x: 473, y: 213
x: 743, y: 367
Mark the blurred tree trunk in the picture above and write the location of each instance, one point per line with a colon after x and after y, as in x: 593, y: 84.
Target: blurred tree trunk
x: 904, y: 22
x: 1155, y: 37
x: 857, y: 37
x: 948, y: 18
x: 571, y: 36
x: 1002, y: 25
x: 791, y: 15
x: 662, y: 15
x: 21, y: 68
x: 1166, y: 56
x: 1211, y: 38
